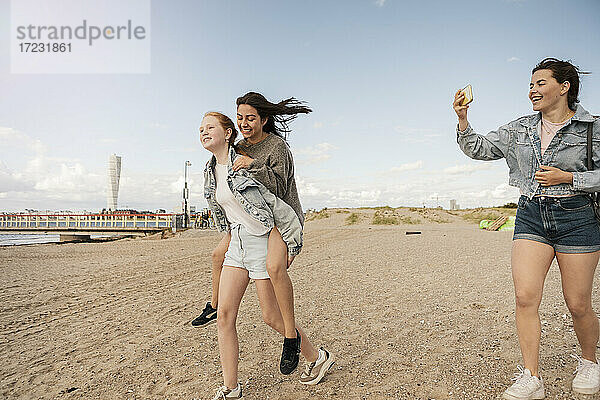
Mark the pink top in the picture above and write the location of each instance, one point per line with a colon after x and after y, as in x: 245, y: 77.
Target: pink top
x: 548, y: 131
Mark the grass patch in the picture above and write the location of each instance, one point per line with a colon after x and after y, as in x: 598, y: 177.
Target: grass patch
x: 352, y: 219
x: 478, y: 214
x: 388, y: 208
x: 381, y: 219
x: 342, y: 212
x: 317, y: 215
x: 433, y: 217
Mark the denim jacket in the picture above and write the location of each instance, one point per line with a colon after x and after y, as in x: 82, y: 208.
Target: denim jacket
x: 520, y: 144
x: 256, y: 200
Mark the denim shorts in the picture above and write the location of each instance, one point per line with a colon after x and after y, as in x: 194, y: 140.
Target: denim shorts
x: 567, y: 224
x: 248, y: 251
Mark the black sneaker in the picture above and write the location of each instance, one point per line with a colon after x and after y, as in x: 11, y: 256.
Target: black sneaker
x: 208, y: 316
x: 290, y: 354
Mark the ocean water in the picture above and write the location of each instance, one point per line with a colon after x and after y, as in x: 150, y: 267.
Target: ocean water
x: 15, y: 240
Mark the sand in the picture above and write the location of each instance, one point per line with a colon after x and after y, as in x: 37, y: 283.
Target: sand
x: 427, y: 316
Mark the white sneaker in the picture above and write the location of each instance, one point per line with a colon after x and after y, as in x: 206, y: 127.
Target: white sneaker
x: 223, y: 393
x: 526, y: 387
x: 315, y: 371
x: 587, y: 376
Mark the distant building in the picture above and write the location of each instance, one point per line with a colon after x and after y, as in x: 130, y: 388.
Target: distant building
x: 454, y: 205
x: 114, y: 176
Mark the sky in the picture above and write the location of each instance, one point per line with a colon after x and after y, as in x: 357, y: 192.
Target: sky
x: 379, y: 75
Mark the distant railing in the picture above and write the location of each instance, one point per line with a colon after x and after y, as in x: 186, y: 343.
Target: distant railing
x: 89, y: 222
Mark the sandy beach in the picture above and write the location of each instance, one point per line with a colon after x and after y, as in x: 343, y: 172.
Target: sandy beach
x: 427, y: 316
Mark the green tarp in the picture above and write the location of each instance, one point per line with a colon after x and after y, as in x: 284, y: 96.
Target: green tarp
x: 509, y: 225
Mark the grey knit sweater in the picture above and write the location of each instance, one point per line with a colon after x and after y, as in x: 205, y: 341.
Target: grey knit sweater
x: 273, y: 166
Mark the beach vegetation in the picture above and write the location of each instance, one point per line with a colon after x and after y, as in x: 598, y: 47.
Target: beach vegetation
x: 312, y: 215
x: 352, y: 219
x: 381, y: 218
x: 479, y: 214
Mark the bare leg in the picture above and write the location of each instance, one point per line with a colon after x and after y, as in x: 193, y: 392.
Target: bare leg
x: 577, y: 273
x: 272, y: 317
x: 218, y: 256
x: 234, y: 282
x: 277, y: 263
x: 530, y: 264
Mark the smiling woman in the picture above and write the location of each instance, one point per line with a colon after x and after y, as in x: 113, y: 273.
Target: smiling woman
x: 264, y: 155
x: 248, y: 212
x: 546, y: 155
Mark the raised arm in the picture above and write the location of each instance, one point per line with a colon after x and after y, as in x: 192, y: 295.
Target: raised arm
x: 492, y: 146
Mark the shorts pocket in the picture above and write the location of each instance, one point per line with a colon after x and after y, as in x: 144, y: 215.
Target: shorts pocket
x: 522, y: 202
x: 575, y: 203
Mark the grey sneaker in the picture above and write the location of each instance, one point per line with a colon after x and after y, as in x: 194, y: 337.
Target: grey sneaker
x: 223, y: 393
x: 526, y: 387
x: 315, y: 371
x: 587, y: 376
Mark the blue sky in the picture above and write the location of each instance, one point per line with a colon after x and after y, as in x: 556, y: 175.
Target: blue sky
x: 379, y: 75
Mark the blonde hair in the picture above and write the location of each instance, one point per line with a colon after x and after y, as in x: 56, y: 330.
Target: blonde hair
x: 226, y: 123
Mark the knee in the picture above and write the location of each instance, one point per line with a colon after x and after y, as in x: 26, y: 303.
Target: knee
x: 218, y: 257
x: 276, y: 270
x: 526, y: 299
x: 579, y: 307
x: 225, y: 317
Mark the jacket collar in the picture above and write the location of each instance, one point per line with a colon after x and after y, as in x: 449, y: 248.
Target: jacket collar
x: 581, y: 114
x: 231, y: 158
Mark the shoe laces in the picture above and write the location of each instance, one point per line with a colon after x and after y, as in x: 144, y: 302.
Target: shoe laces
x: 290, y: 350
x: 221, y: 392
x: 583, y: 368
x: 520, y: 378
x: 309, y: 368
x: 519, y: 375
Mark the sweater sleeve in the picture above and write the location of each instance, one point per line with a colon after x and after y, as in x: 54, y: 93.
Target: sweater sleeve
x: 273, y: 172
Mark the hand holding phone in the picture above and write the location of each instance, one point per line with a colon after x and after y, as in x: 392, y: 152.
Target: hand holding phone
x: 468, y: 93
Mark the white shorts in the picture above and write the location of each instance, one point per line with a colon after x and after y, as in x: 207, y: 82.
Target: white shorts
x: 248, y: 251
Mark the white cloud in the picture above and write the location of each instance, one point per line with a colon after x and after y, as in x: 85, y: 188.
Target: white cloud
x: 313, y: 154
x: 466, y: 169
x: 43, y: 182
x: 157, y: 125
x: 380, y: 3
x: 11, y: 181
x: 318, y: 125
x: 513, y: 59
x: 11, y: 138
x: 407, y: 167
x: 418, y: 135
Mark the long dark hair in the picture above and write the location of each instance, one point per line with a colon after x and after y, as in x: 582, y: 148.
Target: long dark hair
x: 278, y: 115
x: 564, y: 71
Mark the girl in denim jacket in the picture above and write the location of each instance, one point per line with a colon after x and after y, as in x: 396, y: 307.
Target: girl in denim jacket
x: 249, y: 212
x: 546, y: 156
x: 265, y: 155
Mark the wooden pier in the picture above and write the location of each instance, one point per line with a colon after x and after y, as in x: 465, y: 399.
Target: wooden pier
x: 83, y: 225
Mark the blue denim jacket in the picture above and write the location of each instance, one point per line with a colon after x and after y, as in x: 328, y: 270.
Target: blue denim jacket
x: 520, y: 144
x: 256, y: 200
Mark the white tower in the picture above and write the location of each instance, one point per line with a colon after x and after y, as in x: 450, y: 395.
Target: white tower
x: 114, y: 175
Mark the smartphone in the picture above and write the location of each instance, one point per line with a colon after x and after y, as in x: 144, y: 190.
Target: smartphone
x: 468, y: 93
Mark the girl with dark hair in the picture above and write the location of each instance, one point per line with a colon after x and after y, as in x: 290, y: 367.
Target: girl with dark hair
x: 266, y: 156
x: 249, y: 212
x: 546, y: 156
